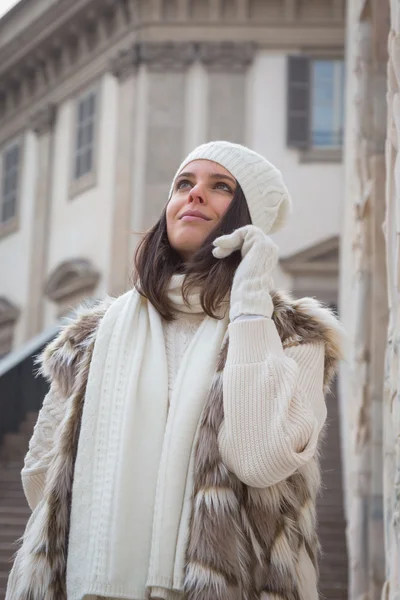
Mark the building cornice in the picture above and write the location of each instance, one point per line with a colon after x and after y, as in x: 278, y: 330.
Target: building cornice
x: 226, y: 56
x: 320, y: 259
x: 43, y: 119
x: 166, y: 56
x: 69, y: 36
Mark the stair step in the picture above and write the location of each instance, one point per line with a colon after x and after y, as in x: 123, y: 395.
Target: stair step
x: 7, y: 475
x: 14, y: 501
x: 14, y: 510
x: 11, y: 464
x: 26, y: 427
x: 11, y: 534
x: 3, y: 581
x: 14, y: 446
x: 7, y: 521
x: 15, y: 440
x: 12, y: 453
x: 6, y: 564
x: 12, y: 485
x: 12, y: 496
x: 32, y: 415
x: 7, y: 549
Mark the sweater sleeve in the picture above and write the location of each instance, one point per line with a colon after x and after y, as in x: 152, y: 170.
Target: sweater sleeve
x: 37, y: 459
x: 274, y: 407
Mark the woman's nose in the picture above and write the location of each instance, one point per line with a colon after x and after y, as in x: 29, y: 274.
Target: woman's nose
x: 197, y: 194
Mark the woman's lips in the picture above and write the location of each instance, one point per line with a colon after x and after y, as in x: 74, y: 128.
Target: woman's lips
x: 193, y: 218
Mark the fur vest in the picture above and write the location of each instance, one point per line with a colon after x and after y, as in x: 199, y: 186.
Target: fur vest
x: 243, y: 546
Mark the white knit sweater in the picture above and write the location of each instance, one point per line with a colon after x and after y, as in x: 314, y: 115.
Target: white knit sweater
x: 261, y: 442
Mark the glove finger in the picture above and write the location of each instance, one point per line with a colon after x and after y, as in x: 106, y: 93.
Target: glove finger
x: 233, y: 241
x: 222, y: 252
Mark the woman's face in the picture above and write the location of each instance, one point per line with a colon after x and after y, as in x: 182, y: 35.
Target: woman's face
x: 202, y: 193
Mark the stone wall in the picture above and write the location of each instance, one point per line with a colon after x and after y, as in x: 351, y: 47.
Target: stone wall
x: 369, y: 300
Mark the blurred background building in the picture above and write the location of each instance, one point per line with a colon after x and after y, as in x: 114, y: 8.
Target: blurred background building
x: 99, y: 102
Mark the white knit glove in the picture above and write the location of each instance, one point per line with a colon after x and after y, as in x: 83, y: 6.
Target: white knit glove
x: 252, y: 281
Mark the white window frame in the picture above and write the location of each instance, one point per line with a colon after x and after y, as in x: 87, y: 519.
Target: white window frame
x: 87, y: 179
x: 11, y: 224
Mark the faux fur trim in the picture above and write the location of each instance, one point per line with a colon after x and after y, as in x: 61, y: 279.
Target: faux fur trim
x: 60, y: 360
x: 306, y: 320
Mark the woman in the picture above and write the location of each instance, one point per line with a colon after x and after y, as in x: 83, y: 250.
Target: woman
x: 175, y: 455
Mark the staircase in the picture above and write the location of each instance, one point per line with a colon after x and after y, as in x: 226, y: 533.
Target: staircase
x: 332, y: 525
x: 14, y: 510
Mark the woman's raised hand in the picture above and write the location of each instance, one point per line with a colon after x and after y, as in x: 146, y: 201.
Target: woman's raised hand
x: 252, y: 281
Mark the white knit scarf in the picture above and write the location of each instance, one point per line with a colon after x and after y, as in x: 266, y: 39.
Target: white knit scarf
x: 133, y: 476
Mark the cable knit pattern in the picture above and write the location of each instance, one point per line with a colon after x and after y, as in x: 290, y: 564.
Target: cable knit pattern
x: 38, y: 456
x: 274, y: 406
x: 178, y: 334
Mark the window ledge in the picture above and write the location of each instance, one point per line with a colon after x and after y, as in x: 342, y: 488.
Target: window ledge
x: 321, y: 155
x: 83, y: 184
x: 9, y: 227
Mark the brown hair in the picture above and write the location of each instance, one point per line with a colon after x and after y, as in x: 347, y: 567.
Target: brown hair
x: 156, y: 261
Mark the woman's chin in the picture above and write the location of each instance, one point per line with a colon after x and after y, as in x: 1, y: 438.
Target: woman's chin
x: 188, y: 247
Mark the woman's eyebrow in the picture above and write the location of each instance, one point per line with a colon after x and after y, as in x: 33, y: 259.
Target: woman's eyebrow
x: 187, y: 174
x: 221, y: 176
x: 211, y: 176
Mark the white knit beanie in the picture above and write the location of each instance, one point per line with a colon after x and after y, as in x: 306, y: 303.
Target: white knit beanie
x: 262, y: 184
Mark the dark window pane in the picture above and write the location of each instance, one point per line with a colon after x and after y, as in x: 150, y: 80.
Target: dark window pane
x: 7, y: 161
x: 8, y: 212
x: 77, y: 166
x: 15, y: 155
x: 13, y: 179
x: 85, y: 134
x: 92, y: 103
x: 88, y: 163
x: 298, y: 111
x: 90, y: 129
x: 6, y: 185
x: 81, y: 109
x: 80, y: 141
x: 9, y: 184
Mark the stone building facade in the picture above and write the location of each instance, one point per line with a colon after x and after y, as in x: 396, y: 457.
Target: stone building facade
x: 369, y: 300
x: 99, y: 102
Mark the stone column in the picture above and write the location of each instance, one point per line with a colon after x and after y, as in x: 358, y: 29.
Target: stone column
x: 364, y: 306
x: 166, y: 66
x: 124, y: 66
x: 379, y: 304
x: 42, y: 123
x: 227, y: 64
x: 391, y: 415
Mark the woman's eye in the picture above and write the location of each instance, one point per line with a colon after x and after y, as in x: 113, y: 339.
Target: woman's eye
x: 223, y: 186
x: 182, y: 184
